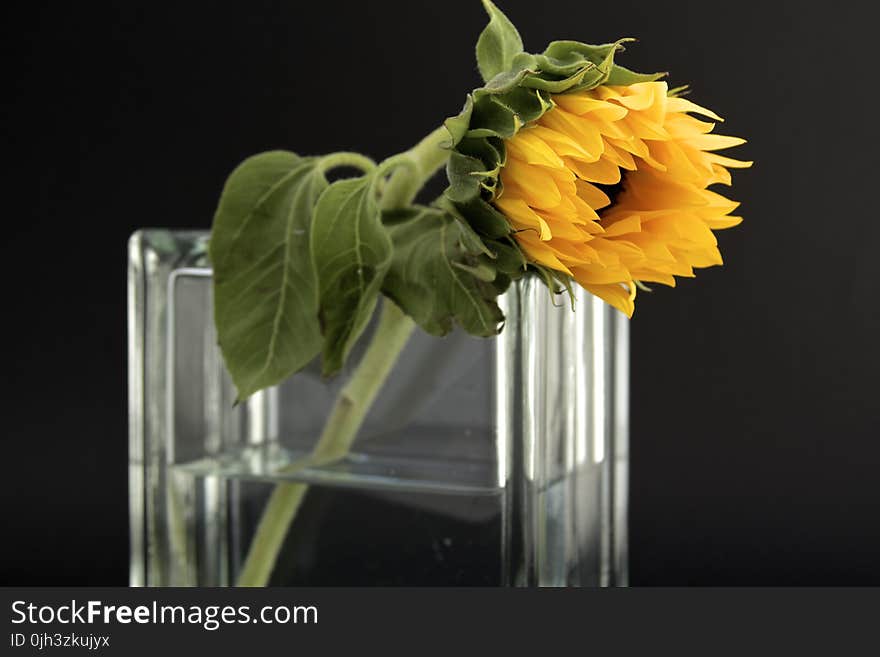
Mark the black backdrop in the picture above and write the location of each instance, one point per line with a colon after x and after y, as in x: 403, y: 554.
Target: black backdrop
x: 754, y: 441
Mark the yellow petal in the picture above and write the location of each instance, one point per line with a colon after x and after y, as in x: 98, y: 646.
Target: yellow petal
x: 713, y: 142
x: 720, y: 223
x: 581, y: 104
x: 684, y: 105
x: 561, y: 143
x: 728, y: 162
x: 616, y: 295
x: 582, y: 130
x: 563, y: 228
x: 533, y: 184
x: 601, y: 171
x: 630, y: 224
x: 652, y: 276
x: 530, y: 148
x: 524, y: 217
x: 720, y: 175
x: 619, y: 157
x: 709, y: 257
x: 644, y: 128
x: 595, y: 197
x: 539, y: 252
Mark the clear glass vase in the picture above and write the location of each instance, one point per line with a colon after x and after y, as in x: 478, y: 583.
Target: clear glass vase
x: 499, y: 462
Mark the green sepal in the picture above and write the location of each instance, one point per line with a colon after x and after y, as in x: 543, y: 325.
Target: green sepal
x: 492, y: 118
x: 566, y: 282
x: 544, y: 83
x: 482, y: 217
x: 459, y: 124
x: 557, y: 282
x: 351, y: 252
x: 465, y: 173
x: 500, y: 115
x: 498, y: 44
x: 265, y: 289
x: 504, y: 82
x: 621, y: 76
x: 527, y: 104
x: 438, y: 276
x: 509, y: 259
x: 568, y: 64
x: 565, y: 58
x: 490, y: 152
x: 488, y: 231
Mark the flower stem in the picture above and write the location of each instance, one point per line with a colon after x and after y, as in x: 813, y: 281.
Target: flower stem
x: 339, y: 433
x: 357, y: 396
x: 346, y: 159
x: 427, y: 156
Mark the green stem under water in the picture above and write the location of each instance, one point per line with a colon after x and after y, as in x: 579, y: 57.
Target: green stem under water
x: 339, y: 433
x: 357, y: 396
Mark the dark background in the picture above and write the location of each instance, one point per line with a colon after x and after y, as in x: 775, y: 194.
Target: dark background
x: 754, y: 439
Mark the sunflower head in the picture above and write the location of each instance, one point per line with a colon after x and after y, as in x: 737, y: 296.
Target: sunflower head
x: 594, y: 173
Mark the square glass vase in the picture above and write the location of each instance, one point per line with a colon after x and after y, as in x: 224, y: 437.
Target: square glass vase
x: 483, y: 461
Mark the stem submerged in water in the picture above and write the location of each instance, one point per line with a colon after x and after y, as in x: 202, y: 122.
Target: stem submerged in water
x: 339, y: 433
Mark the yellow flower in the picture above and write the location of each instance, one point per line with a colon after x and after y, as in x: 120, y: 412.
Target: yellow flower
x: 610, y: 186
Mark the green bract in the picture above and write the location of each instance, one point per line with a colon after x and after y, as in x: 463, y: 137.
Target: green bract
x: 299, y: 262
x: 443, y: 273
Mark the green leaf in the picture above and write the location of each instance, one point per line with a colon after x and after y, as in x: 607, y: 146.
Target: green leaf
x: 438, y: 276
x: 498, y: 44
x: 265, y: 291
x: 351, y: 252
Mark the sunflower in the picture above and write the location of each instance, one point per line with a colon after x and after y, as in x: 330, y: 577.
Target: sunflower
x: 610, y: 187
